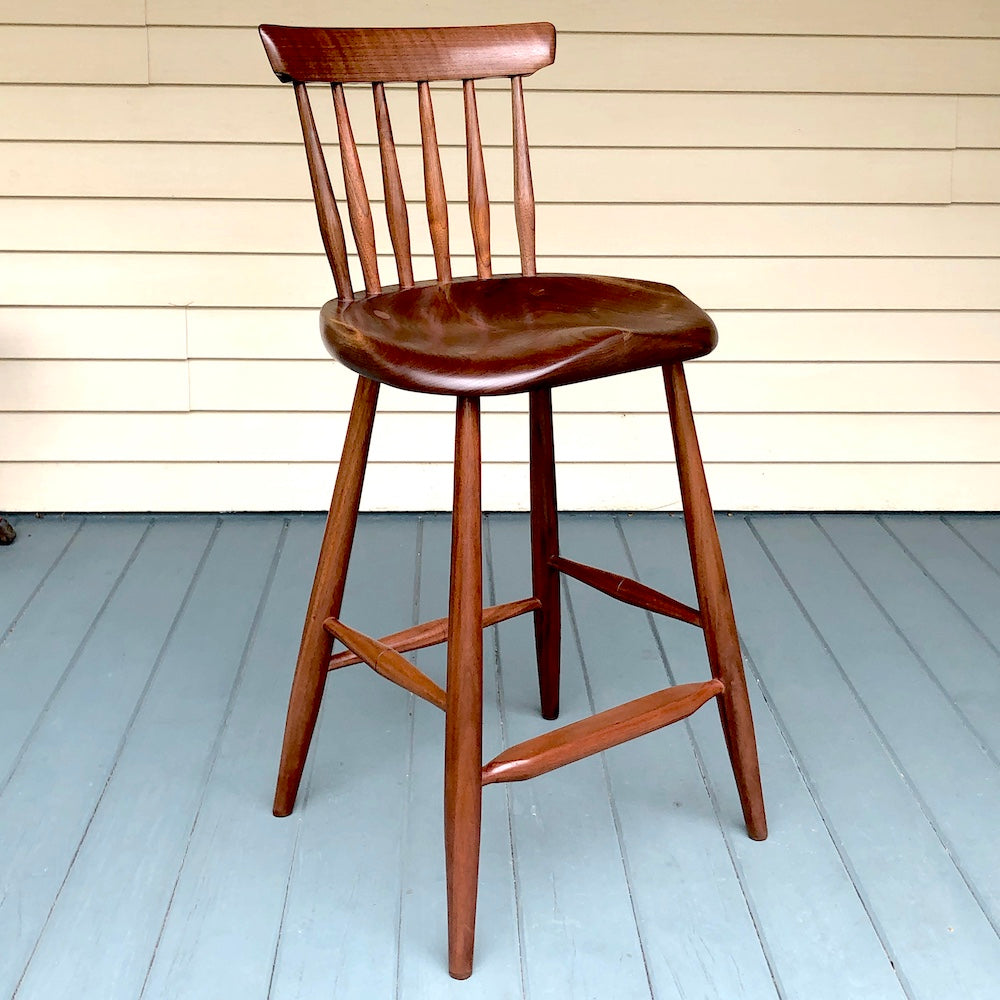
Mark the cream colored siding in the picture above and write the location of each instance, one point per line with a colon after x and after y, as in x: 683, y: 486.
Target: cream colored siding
x: 825, y: 179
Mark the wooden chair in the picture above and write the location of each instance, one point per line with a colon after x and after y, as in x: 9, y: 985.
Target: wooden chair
x: 473, y: 337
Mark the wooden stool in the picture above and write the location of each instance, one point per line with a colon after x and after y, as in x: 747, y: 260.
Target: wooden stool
x: 473, y: 337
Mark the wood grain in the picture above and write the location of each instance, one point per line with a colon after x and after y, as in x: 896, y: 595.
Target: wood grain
x: 352, y: 55
x: 387, y: 662
x: 600, y: 732
x: 357, y: 196
x: 479, y: 200
x: 524, y: 195
x: 434, y: 194
x: 630, y: 591
x: 392, y: 187
x: 512, y: 333
x: 715, y: 604
x: 434, y: 632
x: 330, y: 227
x: 463, y: 736
x: 326, y: 598
x: 544, y: 548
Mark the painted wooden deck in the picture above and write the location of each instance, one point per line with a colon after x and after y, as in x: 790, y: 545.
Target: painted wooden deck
x: 144, y: 667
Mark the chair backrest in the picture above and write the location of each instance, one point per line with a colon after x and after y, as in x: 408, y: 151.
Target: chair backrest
x: 414, y: 55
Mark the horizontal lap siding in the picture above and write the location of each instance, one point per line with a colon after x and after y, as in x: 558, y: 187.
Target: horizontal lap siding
x: 822, y: 178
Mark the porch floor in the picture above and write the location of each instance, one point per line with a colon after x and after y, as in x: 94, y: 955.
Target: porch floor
x: 144, y: 670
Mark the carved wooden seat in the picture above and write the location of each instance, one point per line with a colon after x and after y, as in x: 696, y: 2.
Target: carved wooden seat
x: 470, y: 337
x: 485, y: 336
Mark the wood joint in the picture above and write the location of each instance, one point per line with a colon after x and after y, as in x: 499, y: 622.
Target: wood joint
x: 431, y: 633
x: 386, y: 662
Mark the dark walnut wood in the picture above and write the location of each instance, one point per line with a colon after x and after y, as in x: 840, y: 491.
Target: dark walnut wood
x: 387, y: 662
x: 514, y: 332
x: 361, y: 55
x: 432, y: 633
x: 629, y: 591
x: 471, y: 337
x: 600, y: 732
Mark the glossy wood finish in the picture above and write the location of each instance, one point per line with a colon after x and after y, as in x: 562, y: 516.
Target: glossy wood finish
x: 326, y: 598
x: 231, y: 902
x: 488, y: 335
x: 512, y: 333
x: 716, y: 607
x: 463, y: 734
x: 330, y: 226
x: 392, y: 184
x: 599, y: 732
x: 432, y: 633
x: 388, y: 663
x: 360, y: 55
x: 524, y: 194
x: 544, y: 548
x: 358, y: 206
x: 630, y: 591
x: 434, y: 194
x: 479, y: 199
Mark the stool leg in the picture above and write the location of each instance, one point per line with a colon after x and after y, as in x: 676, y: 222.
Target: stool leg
x: 463, y: 736
x: 544, y: 545
x: 715, y: 604
x: 326, y: 598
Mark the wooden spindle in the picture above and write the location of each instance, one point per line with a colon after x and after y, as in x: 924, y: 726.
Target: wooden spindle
x: 358, y: 205
x: 524, y: 194
x: 330, y: 227
x: 479, y: 199
x: 395, y: 201
x: 437, y: 203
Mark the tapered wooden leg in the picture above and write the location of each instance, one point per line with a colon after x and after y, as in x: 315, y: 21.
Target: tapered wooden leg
x: 715, y: 604
x: 326, y: 598
x: 544, y: 545
x: 463, y: 739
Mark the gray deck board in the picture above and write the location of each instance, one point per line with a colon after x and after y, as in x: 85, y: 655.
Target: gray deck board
x: 952, y: 650
x: 144, y: 670
x: 215, y: 908
x: 338, y: 936
x: 878, y: 665
x: 39, y: 652
x: 567, y: 845
x: 103, y: 927
x: 932, y: 927
x: 26, y: 566
x: 423, y: 929
x: 686, y: 893
x: 816, y: 930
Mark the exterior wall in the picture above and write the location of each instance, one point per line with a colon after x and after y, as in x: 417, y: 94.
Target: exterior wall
x: 824, y: 179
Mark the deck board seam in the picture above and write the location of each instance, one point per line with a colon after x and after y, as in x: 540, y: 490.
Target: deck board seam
x: 925, y: 666
x: 284, y: 908
x: 121, y: 745
x: 937, y: 583
x: 615, y: 817
x: 827, y: 821
x: 219, y: 736
x: 885, y: 745
x: 710, y: 788
x: 404, y: 840
x: 828, y: 824
x: 947, y: 523
x: 491, y: 586
x: 41, y: 583
x: 74, y: 658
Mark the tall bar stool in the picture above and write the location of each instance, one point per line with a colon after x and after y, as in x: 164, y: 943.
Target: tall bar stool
x: 472, y: 337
